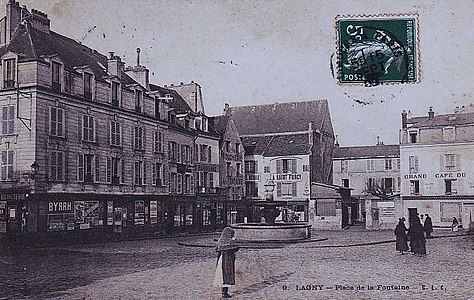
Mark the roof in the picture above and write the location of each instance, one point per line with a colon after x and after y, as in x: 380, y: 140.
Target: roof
x: 33, y: 44
x: 177, y: 102
x: 367, y: 151
x: 277, y: 145
x: 445, y: 120
x: 280, y: 117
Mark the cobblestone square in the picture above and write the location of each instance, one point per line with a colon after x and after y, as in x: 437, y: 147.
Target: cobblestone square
x: 349, y: 264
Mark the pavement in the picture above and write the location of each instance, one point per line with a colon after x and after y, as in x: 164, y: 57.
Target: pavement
x: 350, y: 264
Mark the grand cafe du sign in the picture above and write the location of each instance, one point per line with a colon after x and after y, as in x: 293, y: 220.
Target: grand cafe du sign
x: 436, y: 175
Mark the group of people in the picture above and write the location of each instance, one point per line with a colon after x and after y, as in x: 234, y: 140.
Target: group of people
x: 415, y: 234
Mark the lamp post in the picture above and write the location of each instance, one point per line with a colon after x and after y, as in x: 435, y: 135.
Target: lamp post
x: 34, y: 172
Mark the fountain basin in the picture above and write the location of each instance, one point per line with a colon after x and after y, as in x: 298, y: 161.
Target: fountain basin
x: 272, y: 232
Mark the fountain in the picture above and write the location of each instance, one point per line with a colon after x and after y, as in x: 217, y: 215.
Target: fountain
x: 271, y: 230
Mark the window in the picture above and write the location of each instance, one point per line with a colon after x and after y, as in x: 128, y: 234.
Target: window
x: 114, y: 171
x: 227, y: 146
x: 56, y: 76
x: 158, y: 142
x: 7, y: 166
x: 371, y: 165
x: 157, y: 174
x: 450, y: 162
x: 88, y: 128
x: 238, y: 167
x: 251, y: 189
x: 86, y: 168
x: 173, y: 151
x: 266, y: 169
x: 345, y: 183
x: 250, y: 167
x: 450, y: 186
x: 138, y: 100
x: 286, y: 189
x: 413, y: 164
x: 138, y: 138
x: 414, y: 187
x: 388, y: 185
x: 237, y: 148
x: 56, y: 122
x: 398, y: 163
x: 88, y: 86
x: 69, y: 83
x: 8, y: 119
x: 371, y: 184
x: 344, y: 165
x: 56, y: 166
x: 286, y: 166
x: 228, y: 168
x: 388, y: 164
x: 138, y: 173
x: 9, y: 73
x: 413, y: 137
x: 115, y: 133
x: 115, y: 94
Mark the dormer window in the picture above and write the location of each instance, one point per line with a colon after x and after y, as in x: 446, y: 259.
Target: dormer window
x: 448, y: 134
x: 138, y: 100
x: 204, y: 125
x: 115, y: 94
x: 413, y: 137
x: 56, y: 76
x: 157, y: 108
x: 69, y: 83
x: 88, y: 86
x: 9, y: 73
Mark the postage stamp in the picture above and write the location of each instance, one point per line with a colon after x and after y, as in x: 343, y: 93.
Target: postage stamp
x: 375, y: 50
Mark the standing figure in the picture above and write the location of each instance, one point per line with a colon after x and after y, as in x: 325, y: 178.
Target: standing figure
x: 455, y: 225
x: 428, y: 226
x: 225, y: 269
x: 401, y: 234
x: 417, y: 236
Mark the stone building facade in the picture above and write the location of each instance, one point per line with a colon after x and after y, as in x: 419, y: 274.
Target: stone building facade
x: 286, y: 153
x: 90, y: 146
x: 437, y: 159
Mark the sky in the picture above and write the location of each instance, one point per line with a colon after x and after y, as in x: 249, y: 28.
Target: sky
x: 261, y: 52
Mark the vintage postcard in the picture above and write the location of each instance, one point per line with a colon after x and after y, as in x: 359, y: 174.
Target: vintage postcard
x: 203, y: 149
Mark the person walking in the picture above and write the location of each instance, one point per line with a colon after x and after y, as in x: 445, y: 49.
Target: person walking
x: 401, y: 236
x: 225, y: 269
x: 428, y: 226
x: 455, y: 225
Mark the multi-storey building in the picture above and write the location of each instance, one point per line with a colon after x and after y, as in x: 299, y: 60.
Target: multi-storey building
x: 437, y: 159
x: 88, y: 145
x: 286, y: 152
x: 231, y: 166
x: 373, y: 174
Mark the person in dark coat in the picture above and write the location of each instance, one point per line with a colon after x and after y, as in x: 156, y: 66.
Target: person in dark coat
x: 428, y: 226
x: 417, y: 236
x: 225, y: 269
x: 455, y: 225
x: 401, y: 236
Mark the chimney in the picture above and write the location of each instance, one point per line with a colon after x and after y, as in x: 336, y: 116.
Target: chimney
x: 378, y: 140
x: 336, y: 142
x: 139, y: 73
x: 39, y: 20
x: 12, y: 19
x: 430, y: 113
x: 114, y: 65
x: 404, y: 119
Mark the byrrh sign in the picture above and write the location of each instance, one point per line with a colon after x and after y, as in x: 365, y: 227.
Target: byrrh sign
x: 286, y: 177
x: 60, y: 206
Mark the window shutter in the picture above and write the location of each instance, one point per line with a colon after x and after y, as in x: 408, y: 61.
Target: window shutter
x: 81, y: 127
x: 144, y: 173
x: 143, y: 141
x: 154, y: 142
x: 458, y: 162
x: 294, y: 169
x: 96, y: 129
x: 294, y: 191
x: 109, y: 140
x: 108, y: 170
x: 96, y: 168
x: 65, y: 168
x: 80, y: 168
x: 278, y: 166
x: 278, y: 189
x: 122, y: 171
x: 416, y: 164
x: 442, y: 163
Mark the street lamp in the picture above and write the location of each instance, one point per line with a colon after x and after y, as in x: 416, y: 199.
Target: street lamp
x: 34, y: 171
x: 269, y: 188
